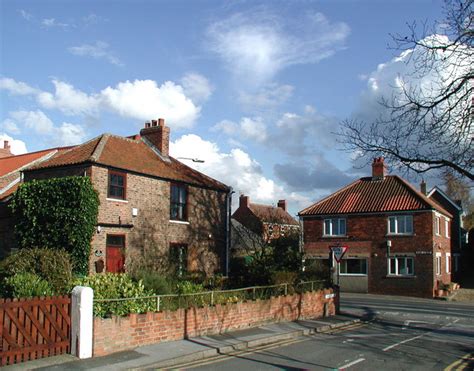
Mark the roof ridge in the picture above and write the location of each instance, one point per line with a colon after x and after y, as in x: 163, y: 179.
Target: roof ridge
x: 41, y: 150
x: 450, y: 200
x: 331, y: 195
x: 198, y: 172
x: 45, y: 157
x: 99, y: 147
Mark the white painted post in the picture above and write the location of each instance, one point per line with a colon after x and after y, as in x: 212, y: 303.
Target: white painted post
x: 82, y: 319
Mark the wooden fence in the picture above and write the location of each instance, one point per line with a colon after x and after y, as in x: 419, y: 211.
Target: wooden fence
x: 34, y: 328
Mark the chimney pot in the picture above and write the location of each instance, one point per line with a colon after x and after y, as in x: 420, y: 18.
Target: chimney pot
x: 379, y: 169
x: 153, y: 122
x: 161, y: 122
x: 147, y: 124
x: 244, y: 201
x: 6, y: 144
x: 282, y: 204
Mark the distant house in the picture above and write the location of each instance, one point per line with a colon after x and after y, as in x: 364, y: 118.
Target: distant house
x: 398, y: 239
x: 11, y: 167
x: 260, y: 223
x: 153, y: 208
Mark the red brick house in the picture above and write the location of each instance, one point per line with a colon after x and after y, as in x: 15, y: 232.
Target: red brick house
x: 267, y: 221
x: 153, y: 210
x: 11, y: 167
x: 398, y: 239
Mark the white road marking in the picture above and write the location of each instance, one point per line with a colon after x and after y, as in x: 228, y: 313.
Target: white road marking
x: 408, y: 323
x: 401, y: 342
x: 352, y: 363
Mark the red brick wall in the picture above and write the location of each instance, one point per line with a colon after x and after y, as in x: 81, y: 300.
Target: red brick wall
x: 120, y: 333
x: 367, y: 236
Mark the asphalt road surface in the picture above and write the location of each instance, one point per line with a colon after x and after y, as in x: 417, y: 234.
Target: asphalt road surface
x: 396, y: 334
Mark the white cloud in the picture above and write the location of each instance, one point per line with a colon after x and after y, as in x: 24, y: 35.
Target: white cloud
x: 40, y: 124
x: 26, y: 15
x: 52, y: 22
x: 235, y: 168
x: 17, y: 147
x: 69, y: 100
x: 10, y: 126
x: 17, y: 87
x: 256, y: 45
x: 145, y: 100
x: 196, y: 87
x: 247, y: 128
x: 267, y: 98
x: 99, y: 50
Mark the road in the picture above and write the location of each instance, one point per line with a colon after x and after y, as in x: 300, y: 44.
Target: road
x: 396, y: 334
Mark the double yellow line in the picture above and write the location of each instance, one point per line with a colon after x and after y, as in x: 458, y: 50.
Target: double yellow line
x: 461, y: 364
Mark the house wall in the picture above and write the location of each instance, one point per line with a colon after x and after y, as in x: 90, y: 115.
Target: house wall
x: 120, y: 333
x: 149, y: 234
x: 367, y: 237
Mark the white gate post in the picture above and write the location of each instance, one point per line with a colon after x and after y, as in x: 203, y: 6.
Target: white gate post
x: 82, y: 319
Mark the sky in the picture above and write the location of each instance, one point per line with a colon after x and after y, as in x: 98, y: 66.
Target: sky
x: 256, y: 89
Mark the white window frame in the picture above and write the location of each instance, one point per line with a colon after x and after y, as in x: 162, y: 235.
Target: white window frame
x: 397, y: 270
x: 397, y: 219
x: 437, y: 225
x: 446, y: 227
x: 331, y: 227
x: 354, y: 274
x: 438, y: 263
x: 448, y: 262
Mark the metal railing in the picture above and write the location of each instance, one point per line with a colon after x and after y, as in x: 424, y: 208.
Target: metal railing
x: 208, y: 298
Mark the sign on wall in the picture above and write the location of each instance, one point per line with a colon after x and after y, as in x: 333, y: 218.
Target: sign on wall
x: 338, y: 252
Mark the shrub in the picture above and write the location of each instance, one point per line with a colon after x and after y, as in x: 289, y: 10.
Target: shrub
x: 188, y: 287
x: 27, y: 285
x: 117, y: 286
x: 52, y: 266
x: 155, y: 281
x: 280, y: 277
x: 57, y: 213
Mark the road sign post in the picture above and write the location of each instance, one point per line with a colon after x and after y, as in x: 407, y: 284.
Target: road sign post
x: 338, y: 252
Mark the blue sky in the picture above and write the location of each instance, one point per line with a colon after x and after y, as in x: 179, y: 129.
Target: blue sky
x: 253, y: 88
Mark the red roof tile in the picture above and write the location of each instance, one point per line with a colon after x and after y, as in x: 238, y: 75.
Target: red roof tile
x: 132, y: 155
x: 272, y: 214
x: 371, y: 196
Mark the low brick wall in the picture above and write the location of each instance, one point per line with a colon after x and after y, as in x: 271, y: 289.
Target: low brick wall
x: 120, y: 333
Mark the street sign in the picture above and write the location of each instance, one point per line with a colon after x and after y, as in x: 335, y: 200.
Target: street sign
x: 338, y: 252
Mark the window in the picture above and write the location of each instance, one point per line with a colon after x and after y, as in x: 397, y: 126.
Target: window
x: 178, y: 201
x: 179, y: 259
x: 438, y: 263
x: 437, y: 225
x: 117, y: 185
x: 446, y: 227
x: 456, y: 262
x: 448, y: 262
x: 335, y: 227
x: 402, y: 224
x: 353, y: 266
x: 401, y: 266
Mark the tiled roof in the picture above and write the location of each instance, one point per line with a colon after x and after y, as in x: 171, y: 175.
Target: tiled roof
x: 366, y: 195
x: 271, y: 214
x: 132, y: 155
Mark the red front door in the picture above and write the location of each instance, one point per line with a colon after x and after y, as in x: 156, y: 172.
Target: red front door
x: 115, y: 257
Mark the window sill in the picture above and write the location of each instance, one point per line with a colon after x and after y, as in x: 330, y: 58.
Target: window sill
x: 400, y: 235
x: 179, y: 222
x: 334, y: 236
x: 353, y: 274
x: 117, y: 200
x: 399, y: 276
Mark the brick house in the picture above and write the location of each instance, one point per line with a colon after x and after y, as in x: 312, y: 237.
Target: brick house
x: 458, y: 233
x: 154, y: 210
x: 11, y: 167
x: 398, y: 239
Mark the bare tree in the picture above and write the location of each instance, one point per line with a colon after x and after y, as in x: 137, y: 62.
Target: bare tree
x: 427, y: 122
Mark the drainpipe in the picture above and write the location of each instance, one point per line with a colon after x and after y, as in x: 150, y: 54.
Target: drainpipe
x: 228, y: 229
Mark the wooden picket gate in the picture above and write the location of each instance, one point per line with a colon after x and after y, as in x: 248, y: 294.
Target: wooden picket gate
x: 34, y: 328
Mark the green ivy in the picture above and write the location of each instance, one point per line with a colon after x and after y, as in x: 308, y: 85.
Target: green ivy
x: 58, y: 213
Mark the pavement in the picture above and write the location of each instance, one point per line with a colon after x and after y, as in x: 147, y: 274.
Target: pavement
x: 170, y: 354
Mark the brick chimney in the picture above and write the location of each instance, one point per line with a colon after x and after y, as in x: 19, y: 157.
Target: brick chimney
x: 379, y: 169
x: 282, y: 204
x: 244, y: 201
x: 158, y: 134
x: 423, y: 187
x: 5, y: 151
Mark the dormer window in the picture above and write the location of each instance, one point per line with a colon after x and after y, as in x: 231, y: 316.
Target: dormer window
x: 335, y: 227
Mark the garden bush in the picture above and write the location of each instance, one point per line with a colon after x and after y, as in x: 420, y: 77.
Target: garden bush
x: 118, y: 286
x: 52, y: 266
x: 28, y: 285
x: 156, y: 282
